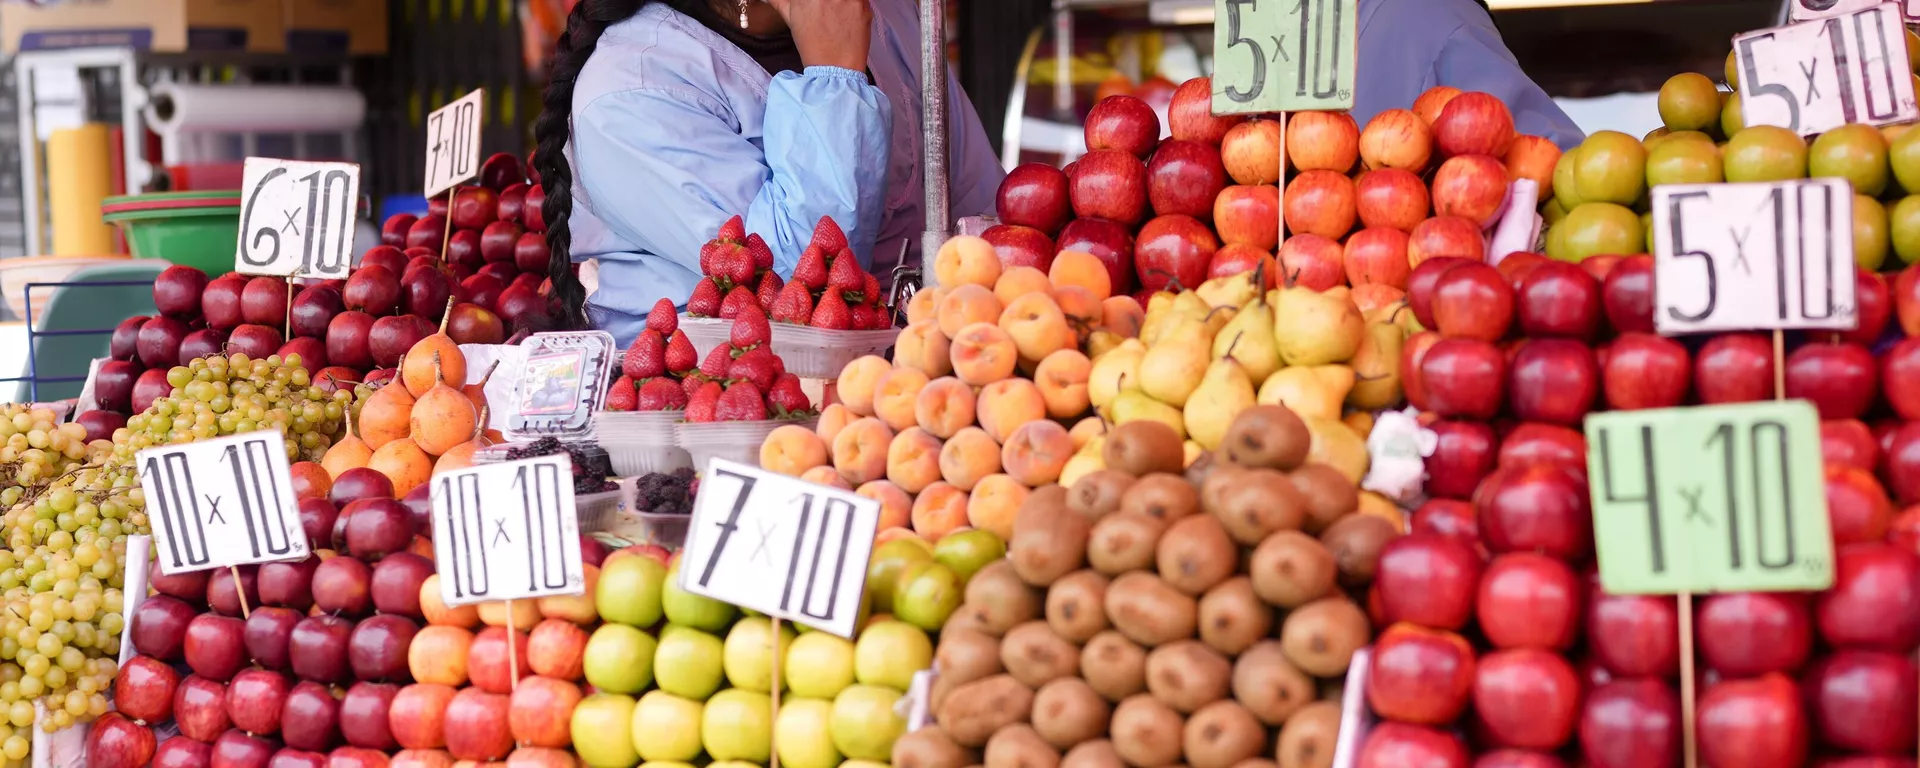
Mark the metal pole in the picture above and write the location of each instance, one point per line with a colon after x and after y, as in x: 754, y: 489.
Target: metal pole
x: 933, y: 129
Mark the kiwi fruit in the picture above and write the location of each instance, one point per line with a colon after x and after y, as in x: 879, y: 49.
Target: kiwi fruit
x: 1048, y: 541
x: 1124, y: 542
x: 1141, y: 448
x: 1113, y: 665
x: 1309, y: 737
x: 1098, y: 494
x: 1329, y: 494
x: 1221, y: 734
x: 1164, y: 496
x: 1257, y: 503
x: 1231, y: 616
x: 1018, y: 746
x: 1034, y: 655
x: 1256, y: 762
x: 930, y: 747
x: 1269, y: 685
x: 1068, y: 711
x: 1097, y: 753
x: 1356, y: 541
x: 1201, y: 468
x: 964, y: 655
x: 1321, y: 637
x: 1291, y: 569
x: 1001, y: 598
x: 1188, y: 675
x: 972, y: 713
x: 1145, y: 732
x: 1268, y: 436
x: 973, y: 617
x: 1077, y: 605
x: 1148, y: 611
x: 1195, y: 553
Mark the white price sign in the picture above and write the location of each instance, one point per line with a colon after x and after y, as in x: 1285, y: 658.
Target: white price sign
x: 297, y: 218
x: 507, y: 531
x: 1802, y: 10
x: 1813, y: 76
x: 453, y: 143
x: 1755, y: 256
x: 786, y: 548
x: 226, y: 501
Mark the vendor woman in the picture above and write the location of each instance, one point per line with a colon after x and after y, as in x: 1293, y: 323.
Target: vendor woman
x: 664, y: 118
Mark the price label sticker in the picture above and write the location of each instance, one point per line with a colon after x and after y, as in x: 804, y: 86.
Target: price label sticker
x: 1284, y: 55
x: 1725, y: 498
x: 777, y: 545
x: 1813, y: 76
x: 1753, y: 256
x: 507, y: 531
x: 220, y: 502
x: 1803, y: 10
x: 297, y: 218
x: 453, y: 143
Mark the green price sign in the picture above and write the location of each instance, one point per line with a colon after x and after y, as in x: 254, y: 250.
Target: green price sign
x: 1726, y: 498
x: 1284, y: 55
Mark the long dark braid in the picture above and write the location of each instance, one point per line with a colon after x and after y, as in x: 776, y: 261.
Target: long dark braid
x: 585, y: 24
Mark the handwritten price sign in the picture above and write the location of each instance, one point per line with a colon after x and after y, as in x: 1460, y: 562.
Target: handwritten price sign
x: 1755, y: 256
x: 226, y: 501
x: 453, y: 143
x: 1284, y: 55
x: 1813, y: 76
x: 296, y: 218
x: 507, y: 531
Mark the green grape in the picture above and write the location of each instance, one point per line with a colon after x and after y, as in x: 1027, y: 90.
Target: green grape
x: 15, y: 747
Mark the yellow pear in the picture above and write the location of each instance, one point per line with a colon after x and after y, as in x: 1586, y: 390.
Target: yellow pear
x: 1159, y: 308
x: 1336, y: 445
x: 1114, y: 371
x: 1248, y: 338
x: 1316, y: 390
x: 1102, y: 341
x: 1223, y: 393
x: 1191, y: 452
x: 1133, y: 405
x: 1229, y: 291
x: 1094, y: 447
x: 1172, y: 367
x: 1387, y: 313
x: 1079, y: 466
x: 1380, y: 506
x: 1377, y: 366
x: 1315, y: 328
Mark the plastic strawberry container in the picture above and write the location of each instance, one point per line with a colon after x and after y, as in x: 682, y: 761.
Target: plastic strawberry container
x: 810, y: 353
x: 732, y: 440
x: 641, y: 442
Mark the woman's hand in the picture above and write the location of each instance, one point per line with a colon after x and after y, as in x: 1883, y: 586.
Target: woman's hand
x: 829, y: 33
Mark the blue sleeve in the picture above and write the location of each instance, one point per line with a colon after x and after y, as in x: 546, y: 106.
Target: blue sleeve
x: 1475, y: 59
x: 973, y: 171
x: 667, y: 169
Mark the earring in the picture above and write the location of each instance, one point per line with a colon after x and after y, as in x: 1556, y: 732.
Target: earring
x: 743, y: 14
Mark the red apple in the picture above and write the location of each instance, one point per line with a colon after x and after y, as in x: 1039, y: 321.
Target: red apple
x: 530, y: 253
x: 1375, y: 255
x: 1539, y: 508
x: 396, y: 583
x: 1311, y: 261
x: 1517, y: 758
x: 287, y: 584
x: 254, y: 700
x: 417, y: 715
x: 477, y: 725
x: 1412, y: 356
x: 1463, y: 454
x: 1526, y: 698
x: 393, y: 232
x: 1473, y: 187
x: 1418, y: 675
x: 343, y: 585
x: 1019, y: 246
x: 1864, y: 701
x: 255, y: 341
x: 1233, y: 260
x: 474, y: 208
x: 214, y: 646
x: 1110, y: 184
x: 540, y: 712
x: 1035, y: 195
x: 238, y: 749
x: 1902, y: 447
x: 1840, y: 378
x: 500, y: 171
x: 1397, y: 138
x: 200, y: 709
x: 1190, y: 115
x: 1474, y: 123
x: 1641, y: 370
x: 363, y: 715
x: 1517, y: 266
x: 360, y: 483
x: 1326, y: 141
x: 1755, y: 723
x: 1850, y: 443
x: 1531, y: 444
x: 144, y: 688
x: 1125, y: 124
x: 318, y: 648
x: 487, y: 664
x: 534, y: 210
x: 1320, y: 203
x: 1248, y: 215
x: 1558, y: 299
x: 1748, y: 634
x: 1472, y: 301
x: 377, y: 528
x: 1111, y: 243
x: 190, y: 586
x: 377, y: 649
x: 1628, y: 295
x: 372, y: 289
x: 152, y: 385
x: 117, y: 742
x: 177, y: 292
x: 1420, y: 283
x: 391, y: 337
x: 182, y: 752
x: 1428, y: 580
x: 1251, y: 151
x: 1184, y: 177
x: 313, y: 309
x: 1529, y: 600
x: 1857, y: 507
x: 1173, y: 251
x: 1390, y: 197
x: 123, y: 345
x: 1463, y: 378
x: 555, y: 648
x: 1900, y: 368
x: 1451, y: 518
x: 1874, y: 300
x: 1634, y: 635
x: 347, y: 337
x: 1402, y: 745
x: 1631, y: 724
x: 1875, y: 600
x: 1906, y: 300
x: 1446, y: 236
x: 160, y: 340
x: 1734, y: 368
x: 268, y: 635
x: 1554, y: 381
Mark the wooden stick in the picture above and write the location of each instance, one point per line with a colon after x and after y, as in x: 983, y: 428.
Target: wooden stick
x: 289, y: 318
x: 1688, y: 738
x: 448, y: 236
x: 773, y: 754
x: 1779, y: 364
x: 241, y: 590
x: 513, y: 665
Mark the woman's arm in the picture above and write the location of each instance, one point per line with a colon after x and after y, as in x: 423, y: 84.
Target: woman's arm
x: 973, y: 171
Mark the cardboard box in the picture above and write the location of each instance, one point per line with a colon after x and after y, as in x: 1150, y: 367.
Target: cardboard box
x: 165, y: 26
x: 337, y: 27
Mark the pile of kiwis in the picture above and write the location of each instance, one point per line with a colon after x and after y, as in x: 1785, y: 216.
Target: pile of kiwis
x: 1157, y: 614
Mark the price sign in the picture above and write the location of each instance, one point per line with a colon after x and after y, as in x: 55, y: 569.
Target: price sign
x: 453, y: 143
x: 1802, y: 10
x: 1753, y: 256
x: 1813, y: 76
x: 1725, y: 498
x: 786, y: 548
x: 297, y: 218
x: 1284, y: 55
x: 226, y: 501
x: 507, y: 531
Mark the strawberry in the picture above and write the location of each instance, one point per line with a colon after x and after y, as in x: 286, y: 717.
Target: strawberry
x: 794, y: 306
x: 832, y: 313
x: 703, y: 403
x: 845, y: 274
x: 708, y: 252
x: 737, y: 298
x: 716, y: 362
x: 661, y: 394
x: 664, y: 319
x: 741, y: 402
x: 756, y: 365
x: 647, y: 357
x: 870, y: 290
x: 680, y: 356
x: 705, y: 301
x: 828, y: 236
x: 620, y: 396
x: 861, y: 318
x: 812, y: 269
x: 734, y: 265
x: 769, y: 291
x: 750, y: 328
x: 735, y: 230
x: 786, y: 396
x: 691, y: 384
x: 762, y: 255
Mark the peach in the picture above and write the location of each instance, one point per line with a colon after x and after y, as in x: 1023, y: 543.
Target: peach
x: 791, y: 450
x: 896, y: 506
x: 1036, y: 325
x: 891, y: 534
x: 860, y: 450
x: 994, y: 502
x: 1006, y: 404
x: 945, y: 406
x: 1036, y: 452
x: 921, y: 346
x: 833, y: 418
x: 925, y: 304
x: 1062, y: 381
x: 1086, y: 430
x: 826, y: 476
x: 966, y: 260
x: 966, y: 305
x: 895, y: 395
x: 858, y: 380
x: 1082, y: 269
x: 939, y: 510
x: 1082, y: 311
x: 983, y: 354
x: 1020, y: 281
x: 968, y: 456
x: 913, y: 460
x: 1122, y: 315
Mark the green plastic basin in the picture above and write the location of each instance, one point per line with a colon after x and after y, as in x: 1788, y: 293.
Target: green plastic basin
x: 194, y: 229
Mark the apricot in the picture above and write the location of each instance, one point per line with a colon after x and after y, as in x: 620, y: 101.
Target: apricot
x: 966, y: 305
x: 403, y: 463
x: 896, y: 394
x: 896, y: 506
x: 1062, y: 380
x: 833, y: 418
x: 858, y: 380
x: 968, y: 456
x: 791, y: 450
x: 940, y: 509
x: 1006, y: 404
x: 1020, y: 281
x: 827, y: 476
x: 966, y: 260
x: 913, y: 459
x: 1082, y: 311
x: 924, y: 305
x: 1036, y: 452
x: 944, y: 406
x: 921, y: 346
x: 1082, y: 269
x: 1036, y: 325
x: 1122, y: 316
x: 885, y: 535
x: 983, y: 354
x: 994, y: 502
x: 860, y: 451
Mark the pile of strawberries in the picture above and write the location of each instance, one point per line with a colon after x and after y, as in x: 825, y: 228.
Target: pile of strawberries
x: 741, y: 380
x: 828, y: 291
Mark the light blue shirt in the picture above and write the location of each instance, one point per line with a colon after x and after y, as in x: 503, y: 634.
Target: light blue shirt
x: 1408, y: 46
x: 675, y: 130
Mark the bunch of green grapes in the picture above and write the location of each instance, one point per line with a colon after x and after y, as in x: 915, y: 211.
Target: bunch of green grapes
x: 218, y: 396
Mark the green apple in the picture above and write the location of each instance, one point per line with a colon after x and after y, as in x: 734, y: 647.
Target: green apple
x: 601, y: 736
x: 738, y: 725
x: 969, y: 551
x: 800, y: 734
x: 865, y: 724
x: 749, y: 653
x: 688, y: 662
x: 619, y: 659
x: 629, y: 591
x: 683, y: 607
x: 926, y: 594
x: 889, y: 652
x: 667, y: 727
x: 818, y: 665
x: 888, y: 560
